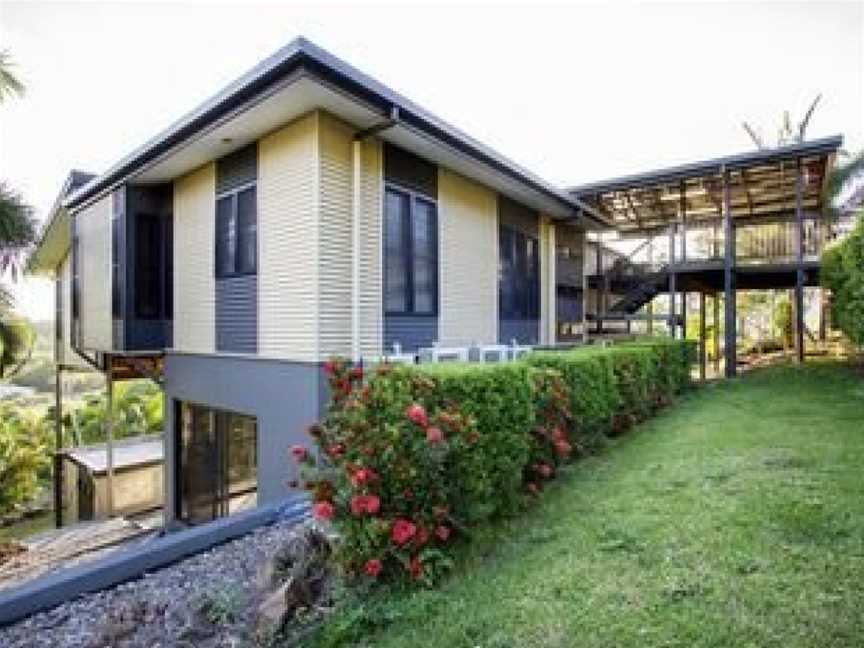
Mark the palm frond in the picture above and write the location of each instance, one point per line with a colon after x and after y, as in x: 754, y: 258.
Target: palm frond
x: 10, y: 84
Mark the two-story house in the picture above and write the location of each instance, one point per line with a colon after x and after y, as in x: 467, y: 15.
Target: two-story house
x: 304, y: 211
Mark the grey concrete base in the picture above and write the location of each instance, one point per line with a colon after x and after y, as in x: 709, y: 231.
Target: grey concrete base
x: 48, y: 591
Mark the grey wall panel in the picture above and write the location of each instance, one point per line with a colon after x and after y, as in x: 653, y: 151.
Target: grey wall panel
x: 523, y: 331
x: 410, y: 332
x: 237, y: 314
x: 237, y: 168
x: 410, y: 171
x: 286, y: 397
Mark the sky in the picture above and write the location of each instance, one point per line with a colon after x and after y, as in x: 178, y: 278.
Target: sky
x: 575, y: 92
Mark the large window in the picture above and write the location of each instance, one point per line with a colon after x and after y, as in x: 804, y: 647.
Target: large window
x: 410, y: 254
x: 217, y: 462
x: 149, y: 279
x: 237, y: 232
x: 519, y: 275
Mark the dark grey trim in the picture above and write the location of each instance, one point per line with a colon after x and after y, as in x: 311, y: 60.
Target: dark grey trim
x: 48, y: 591
x: 301, y: 53
x: 410, y: 331
x: 237, y: 314
x: 825, y: 145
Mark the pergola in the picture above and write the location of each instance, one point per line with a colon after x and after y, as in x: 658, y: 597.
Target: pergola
x: 781, y: 185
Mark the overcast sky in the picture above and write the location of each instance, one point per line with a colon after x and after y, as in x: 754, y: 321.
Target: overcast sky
x: 575, y: 92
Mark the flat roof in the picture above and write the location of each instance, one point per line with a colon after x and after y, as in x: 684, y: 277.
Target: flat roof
x: 128, y: 453
x: 762, y: 184
x: 306, y: 57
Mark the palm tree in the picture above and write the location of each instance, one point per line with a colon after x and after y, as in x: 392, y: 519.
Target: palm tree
x: 17, y: 234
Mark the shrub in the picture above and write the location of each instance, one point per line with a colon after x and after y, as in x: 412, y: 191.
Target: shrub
x: 843, y: 273
x: 411, y: 458
x: 24, y: 457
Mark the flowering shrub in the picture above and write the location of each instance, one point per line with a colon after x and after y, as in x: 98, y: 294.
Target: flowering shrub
x: 412, y: 457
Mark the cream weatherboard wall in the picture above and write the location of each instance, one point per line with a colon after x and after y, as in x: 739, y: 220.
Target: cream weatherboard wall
x: 93, y: 225
x: 335, y: 245
x: 468, y: 259
x: 194, y: 243
x: 288, y: 239
x: 548, y: 315
x: 64, y: 354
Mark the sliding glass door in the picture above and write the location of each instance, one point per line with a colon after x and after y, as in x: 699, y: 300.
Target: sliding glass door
x: 217, y: 470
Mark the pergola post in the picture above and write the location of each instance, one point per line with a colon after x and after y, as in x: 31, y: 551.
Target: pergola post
x: 730, y: 347
x: 109, y: 435
x: 672, y: 289
x: 58, y: 445
x: 703, y: 352
x: 682, y: 214
x: 799, y: 274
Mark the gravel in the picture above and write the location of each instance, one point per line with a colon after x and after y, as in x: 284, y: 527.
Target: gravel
x: 206, y: 601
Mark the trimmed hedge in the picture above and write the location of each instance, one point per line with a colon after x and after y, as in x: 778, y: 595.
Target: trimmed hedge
x: 415, y: 456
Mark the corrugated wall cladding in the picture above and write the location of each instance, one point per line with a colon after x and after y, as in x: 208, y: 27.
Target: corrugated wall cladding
x: 334, y: 236
x: 194, y: 242
x: 411, y: 332
x: 237, y: 314
x: 288, y: 230
x: 468, y: 222
x: 94, y: 231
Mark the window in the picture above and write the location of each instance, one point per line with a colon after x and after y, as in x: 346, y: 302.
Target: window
x: 519, y: 275
x: 410, y: 254
x: 237, y: 233
x: 149, y: 254
x: 217, y: 462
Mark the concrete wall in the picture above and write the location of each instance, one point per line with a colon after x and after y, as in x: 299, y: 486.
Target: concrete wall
x: 284, y: 396
x: 93, y: 225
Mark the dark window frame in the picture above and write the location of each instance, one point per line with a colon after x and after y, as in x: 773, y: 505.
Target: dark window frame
x: 408, y: 251
x: 519, y: 264
x: 236, y: 244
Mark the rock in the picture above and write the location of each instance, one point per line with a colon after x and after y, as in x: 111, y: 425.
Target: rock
x: 273, y: 609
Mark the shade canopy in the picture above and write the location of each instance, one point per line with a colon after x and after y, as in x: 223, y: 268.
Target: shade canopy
x: 762, y: 185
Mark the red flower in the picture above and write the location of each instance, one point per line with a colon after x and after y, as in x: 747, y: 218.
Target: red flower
x: 336, y: 450
x: 324, y: 510
x: 330, y: 367
x: 434, y: 434
x: 299, y: 452
x: 416, y: 568
x: 544, y: 470
x: 416, y: 413
x: 357, y: 373
x: 563, y: 448
x: 363, y: 476
x: 403, y: 530
x: 373, y: 567
x: 362, y: 504
x: 442, y: 532
x: 558, y: 434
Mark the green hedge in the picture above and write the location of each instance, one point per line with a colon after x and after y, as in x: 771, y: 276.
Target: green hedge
x: 414, y: 456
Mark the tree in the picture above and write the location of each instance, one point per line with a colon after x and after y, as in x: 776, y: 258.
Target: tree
x: 17, y: 234
x: 843, y: 263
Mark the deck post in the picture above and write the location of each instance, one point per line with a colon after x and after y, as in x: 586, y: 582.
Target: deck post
x: 683, y: 197
x: 703, y: 352
x: 601, y: 288
x: 58, y: 445
x: 649, y: 308
x: 716, y: 332
x: 671, y: 266
x: 730, y: 347
x: 585, y: 249
x: 799, y: 274
x: 109, y: 434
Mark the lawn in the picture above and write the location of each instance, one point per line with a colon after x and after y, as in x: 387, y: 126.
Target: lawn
x: 735, y: 518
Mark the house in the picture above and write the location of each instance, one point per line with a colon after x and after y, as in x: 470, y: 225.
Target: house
x: 304, y: 211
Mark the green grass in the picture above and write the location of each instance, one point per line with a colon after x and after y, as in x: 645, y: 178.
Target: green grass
x: 736, y: 518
